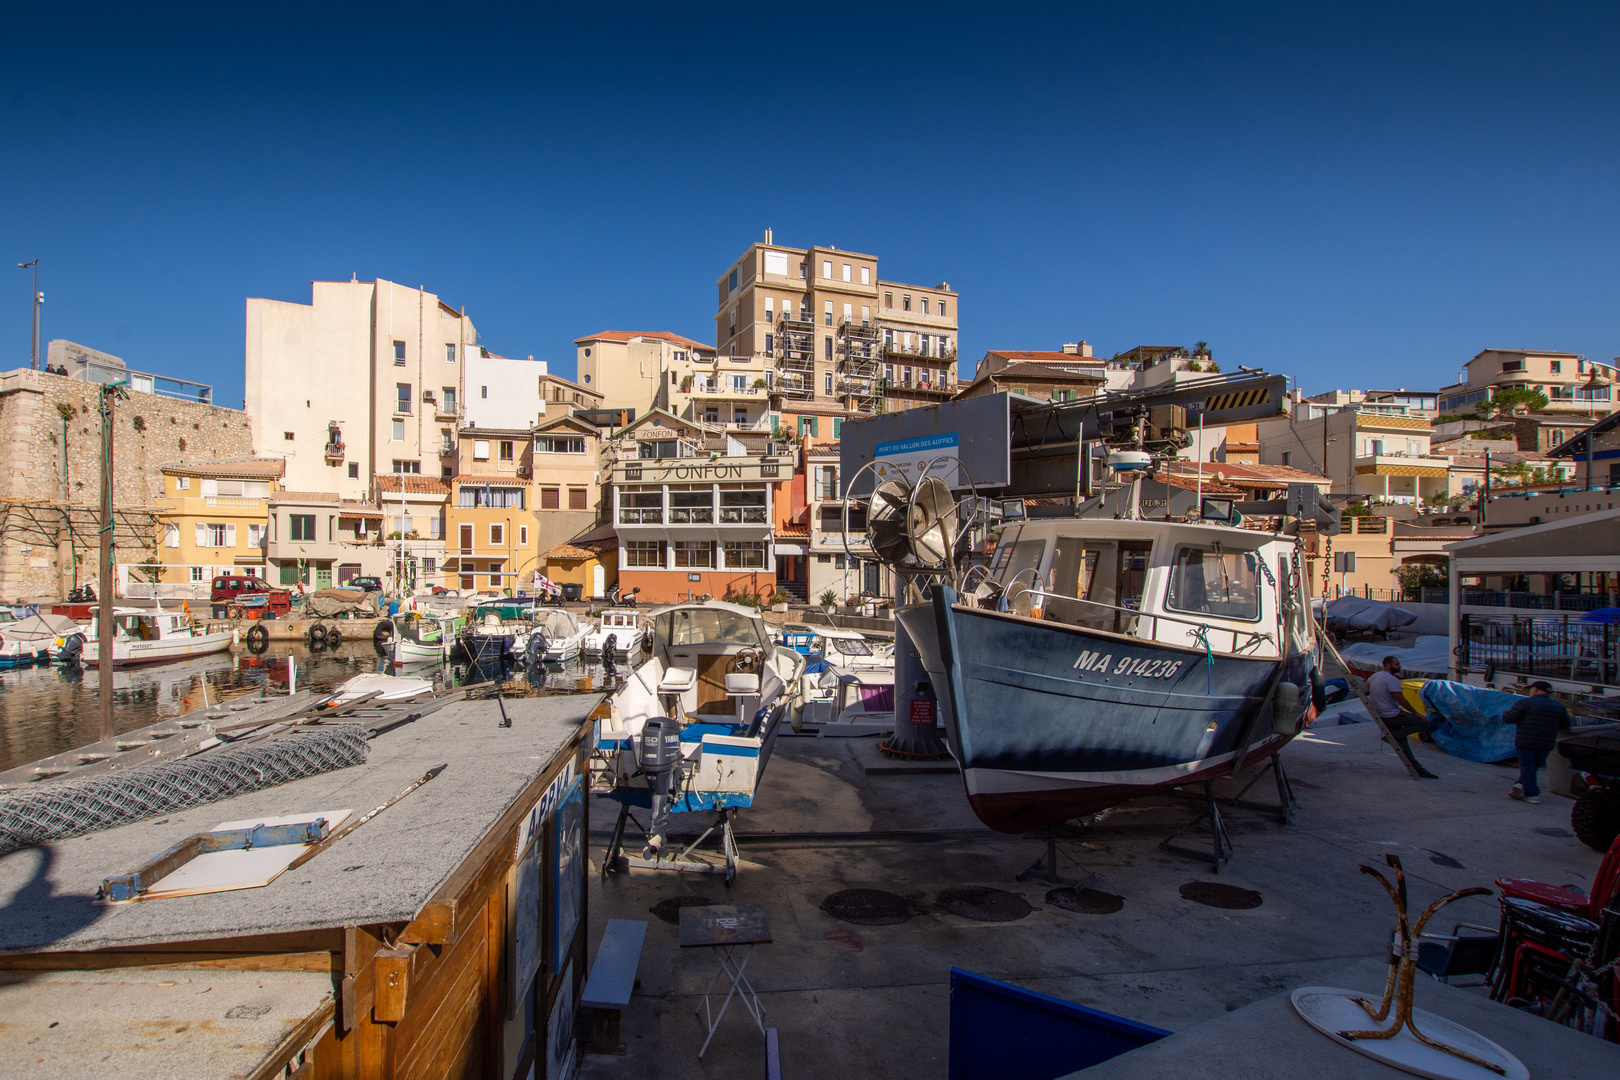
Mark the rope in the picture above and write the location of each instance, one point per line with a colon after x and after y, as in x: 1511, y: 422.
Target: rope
x: 1200, y: 636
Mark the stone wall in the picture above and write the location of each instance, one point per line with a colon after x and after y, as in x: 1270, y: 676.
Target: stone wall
x: 50, y: 474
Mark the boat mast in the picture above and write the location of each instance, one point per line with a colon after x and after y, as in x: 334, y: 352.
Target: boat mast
x: 110, y: 392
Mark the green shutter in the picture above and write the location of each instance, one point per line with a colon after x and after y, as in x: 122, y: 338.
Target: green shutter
x: 838, y: 428
x: 815, y: 427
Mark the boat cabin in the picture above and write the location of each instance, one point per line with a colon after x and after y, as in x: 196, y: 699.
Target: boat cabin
x: 619, y: 619
x: 143, y: 624
x: 1224, y: 589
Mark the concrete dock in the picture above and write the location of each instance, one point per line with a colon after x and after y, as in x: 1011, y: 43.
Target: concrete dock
x: 853, y: 1000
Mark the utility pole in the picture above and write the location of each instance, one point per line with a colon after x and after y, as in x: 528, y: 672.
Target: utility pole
x: 36, y: 298
x: 110, y: 392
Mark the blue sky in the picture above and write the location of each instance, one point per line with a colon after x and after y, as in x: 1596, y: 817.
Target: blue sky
x: 1357, y: 195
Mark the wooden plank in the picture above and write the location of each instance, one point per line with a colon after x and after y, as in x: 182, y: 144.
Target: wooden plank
x: 613, y: 975
x: 455, y: 1011
x: 391, y: 973
x: 248, y: 945
x: 435, y: 924
x: 285, y: 1056
x: 1352, y: 679
x: 98, y: 961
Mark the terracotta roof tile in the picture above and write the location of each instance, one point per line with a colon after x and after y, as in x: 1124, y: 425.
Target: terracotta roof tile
x: 506, y: 481
x: 413, y: 485
x: 241, y: 468
x: 305, y: 496
x: 661, y: 335
x: 568, y: 551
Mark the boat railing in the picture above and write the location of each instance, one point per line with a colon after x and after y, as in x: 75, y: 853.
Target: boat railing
x: 1252, y: 638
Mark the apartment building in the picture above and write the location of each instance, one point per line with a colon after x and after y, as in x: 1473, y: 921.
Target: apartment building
x: 213, y: 518
x: 502, y: 392
x: 849, y: 569
x: 317, y: 539
x: 411, y: 519
x: 563, y: 397
x: 1572, y: 383
x: 379, y: 357
x: 629, y: 369
x: 696, y: 510
x: 489, y: 525
x: 566, y: 459
x: 1380, y: 451
x: 832, y: 331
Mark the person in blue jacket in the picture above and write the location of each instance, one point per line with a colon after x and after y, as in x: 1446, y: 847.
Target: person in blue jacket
x: 1537, y: 718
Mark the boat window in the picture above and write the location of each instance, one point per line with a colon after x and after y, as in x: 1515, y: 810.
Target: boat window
x: 1074, y: 567
x: 696, y: 627
x: 1223, y: 584
x: 850, y: 647
x: 1025, y: 554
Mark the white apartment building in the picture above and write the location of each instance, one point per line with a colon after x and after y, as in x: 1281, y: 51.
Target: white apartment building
x: 352, y: 385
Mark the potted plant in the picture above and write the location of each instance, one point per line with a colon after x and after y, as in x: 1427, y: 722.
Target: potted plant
x: 759, y: 384
x: 779, y: 601
x: 829, y: 600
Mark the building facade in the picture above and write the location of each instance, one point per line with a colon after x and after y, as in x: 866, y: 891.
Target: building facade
x: 213, y: 518
x: 630, y: 369
x: 317, y: 540
x: 492, y: 545
x: 1572, y: 383
x: 386, y: 364
x: 1378, y: 451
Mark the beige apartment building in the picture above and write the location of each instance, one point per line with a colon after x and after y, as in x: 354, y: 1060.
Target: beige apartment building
x: 829, y: 330
x: 629, y: 369
x: 1572, y: 383
x: 353, y: 384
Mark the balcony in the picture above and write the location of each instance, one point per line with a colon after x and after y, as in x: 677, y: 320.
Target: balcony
x: 704, y: 391
x: 906, y: 352
x: 642, y: 515
x: 691, y: 515
x: 742, y: 515
x: 446, y: 411
x: 1398, y: 464
x: 334, y: 453
x: 235, y: 502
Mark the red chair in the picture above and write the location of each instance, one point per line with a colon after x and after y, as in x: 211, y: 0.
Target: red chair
x: 1567, y: 899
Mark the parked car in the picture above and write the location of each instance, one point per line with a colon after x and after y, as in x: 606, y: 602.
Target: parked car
x: 234, y: 589
x: 370, y: 584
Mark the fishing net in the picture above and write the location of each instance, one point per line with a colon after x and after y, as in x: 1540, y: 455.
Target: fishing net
x: 63, y: 808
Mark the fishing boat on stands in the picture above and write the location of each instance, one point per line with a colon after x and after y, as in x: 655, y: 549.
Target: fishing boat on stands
x: 142, y: 636
x: 691, y: 731
x: 1094, y: 660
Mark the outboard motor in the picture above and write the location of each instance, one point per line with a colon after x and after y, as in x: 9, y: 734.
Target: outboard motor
x: 72, y: 649
x: 658, y: 752
x: 537, y: 647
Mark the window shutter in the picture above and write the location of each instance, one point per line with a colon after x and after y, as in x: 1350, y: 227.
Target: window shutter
x: 202, y: 535
x: 210, y: 487
x: 230, y: 536
x: 171, y: 536
x: 838, y: 427
x: 815, y: 427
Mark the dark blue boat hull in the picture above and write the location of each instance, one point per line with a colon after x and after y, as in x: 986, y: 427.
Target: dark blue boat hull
x: 1051, y: 721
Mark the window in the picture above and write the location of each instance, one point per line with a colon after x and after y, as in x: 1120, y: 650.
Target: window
x: 402, y: 524
x: 447, y: 441
x: 402, y: 468
x: 652, y: 449
x: 770, y: 305
x: 1512, y: 365
x: 354, y: 470
x: 497, y: 536
x: 430, y: 565
x: 196, y: 573
x: 826, y: 312
x: 1223, y: 584
x: 171, y: 535
x: 733, y: 325
x: 942, y: 309
x: 739, y: 416
x: 866, y: 275
x: 776, y: 263
x: 469, y: 497
x: 399, y: 354
x: 829, y: 479
x: 810, y: 425
x: 827, y: 380
x: 711, y: 414
x: 560, y: 444
x: 483, y: 392
x: 494, y: 575
x: 770, y: 341
x: 888, y: 299
x: 739, y: 383
x: 301, y: 526
x: 826, y: 269
x: 846, y: 271
x: 944, y: 346
x: 436, y: 528
x: 694, y: 554
x: 826, y: 348
x: 744, y: 506
x: 578, y: 499
x: 905, y: 303
x: 905, y: 375
x: 866, y: 315
x: 402, y: 392
x: 849, y: 313
x: 1288, y: 459
x: 289, y: 573
x: 1557, y: 366
x: 644, y: 553
x: 925, y: 305
x: 448, y: 400
x: 745, y: 554
x: 467, y: 581
x: 506, y: 450
x: 838, y: 427
x: 549, y: 498
x: 804, y: 271
x: 523, y: 535
x: 182, y: 483
x: 287, y: 435
x: 480, y: 449
x: 256, y: 536
x: 731, y: 279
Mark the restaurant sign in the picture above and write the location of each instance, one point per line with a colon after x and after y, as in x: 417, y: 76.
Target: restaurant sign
x: 699, y: 470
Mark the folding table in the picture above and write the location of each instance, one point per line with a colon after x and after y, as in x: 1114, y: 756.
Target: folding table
x: 733, y: 930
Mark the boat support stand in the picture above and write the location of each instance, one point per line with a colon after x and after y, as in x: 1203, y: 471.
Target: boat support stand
x: 1220, y: 850
x: 688, y: 860
x: 1045, y: 869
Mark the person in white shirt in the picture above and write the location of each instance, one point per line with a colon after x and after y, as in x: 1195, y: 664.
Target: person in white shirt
x: 1389, y: 702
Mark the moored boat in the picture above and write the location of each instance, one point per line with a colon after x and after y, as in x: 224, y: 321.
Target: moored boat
x: 28, y: 641
x: 619, y: 632
x: 422, y: 638
x: 145, y: 636
x: 555, y: 636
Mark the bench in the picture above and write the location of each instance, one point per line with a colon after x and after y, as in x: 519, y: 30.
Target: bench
x: 611, y: 981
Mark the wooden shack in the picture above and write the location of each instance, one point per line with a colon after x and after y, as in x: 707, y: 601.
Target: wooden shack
x: 443, y: 938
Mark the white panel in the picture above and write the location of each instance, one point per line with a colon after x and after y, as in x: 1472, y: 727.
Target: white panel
x: 776, y: 262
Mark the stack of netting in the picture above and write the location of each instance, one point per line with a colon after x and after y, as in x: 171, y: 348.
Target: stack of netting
x: 59, y: 809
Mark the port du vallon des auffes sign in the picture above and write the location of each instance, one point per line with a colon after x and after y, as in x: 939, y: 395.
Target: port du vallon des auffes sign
x: 912, y: 459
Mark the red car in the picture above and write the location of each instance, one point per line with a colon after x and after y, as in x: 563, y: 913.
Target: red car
x: 232, y: 589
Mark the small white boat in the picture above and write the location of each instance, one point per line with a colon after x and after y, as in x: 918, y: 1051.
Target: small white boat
x: 847, y: 687
x: 388, y: 688
x: 24, y: 642
x: 142, y: 636
x: 624, y: 627
x: 422, y: 638
x: 555, y: 636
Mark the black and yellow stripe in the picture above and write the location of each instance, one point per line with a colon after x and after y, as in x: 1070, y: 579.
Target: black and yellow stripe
x: 1240, y: 399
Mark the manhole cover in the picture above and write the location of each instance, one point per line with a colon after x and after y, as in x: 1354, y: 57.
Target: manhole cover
x: 868, y: 907
x: 984, y: 904
x: 1214, y: 894
x: 669, y: 909
x: 1085, y: 901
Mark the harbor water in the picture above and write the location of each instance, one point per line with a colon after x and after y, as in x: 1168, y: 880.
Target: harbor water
x: 47, y: 710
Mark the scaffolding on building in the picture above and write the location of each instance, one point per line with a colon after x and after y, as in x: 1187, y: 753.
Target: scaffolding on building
x: 45, y: 525
x: 860, y: 367
x: 796, y: 356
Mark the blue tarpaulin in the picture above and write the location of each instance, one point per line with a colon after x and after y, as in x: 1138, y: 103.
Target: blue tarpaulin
x: 1473, y: 730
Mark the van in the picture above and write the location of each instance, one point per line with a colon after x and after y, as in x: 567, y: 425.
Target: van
x: 235, y: 589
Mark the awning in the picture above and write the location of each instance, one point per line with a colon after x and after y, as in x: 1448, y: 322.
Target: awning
x: 249, y: 560
x: 1382, y: 469
x: 788, y: 547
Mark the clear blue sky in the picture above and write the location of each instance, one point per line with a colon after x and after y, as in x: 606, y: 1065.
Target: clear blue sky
x: 1356, y: 194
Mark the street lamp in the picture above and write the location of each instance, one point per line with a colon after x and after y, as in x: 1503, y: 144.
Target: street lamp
x: 37, y: 298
